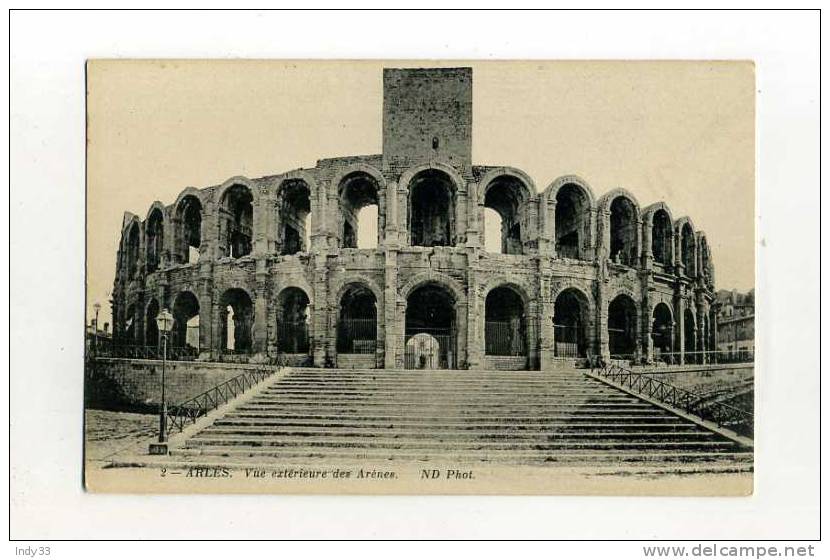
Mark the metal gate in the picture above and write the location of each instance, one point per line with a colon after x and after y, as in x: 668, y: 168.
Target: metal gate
x: 430, y: 349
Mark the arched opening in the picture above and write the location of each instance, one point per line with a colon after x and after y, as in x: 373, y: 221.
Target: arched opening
x: 662, y: 239
x: 431, y: 209
x: 189, y: 218
x: 505, y: 323
x: 131, y: 251
x: 706, y: 264
x: 687, y: 249
x: 623, y: 231
x: 359, y: 210
x: 130, y: 335
x: 186, y: 321
x: 689, y: 342
x: 662, y: 333
x: 237, y: 221
x: 293, y: 209
x: 570, y: 324
x: 506, y: 196
x: 492, y: 231
x: 292, y: 321
x: 236, y: 320
x: 430, y: 328
x: 622, y: 327
x: 571, y: 214
x: 154, y: 234
x: 151, y: 329
x: 357, y: 326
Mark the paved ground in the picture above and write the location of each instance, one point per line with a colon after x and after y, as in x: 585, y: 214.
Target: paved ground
x: 109, y: 433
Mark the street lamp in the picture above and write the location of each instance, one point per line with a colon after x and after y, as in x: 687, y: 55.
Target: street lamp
x: 164, y: 320
x: 97, y: 308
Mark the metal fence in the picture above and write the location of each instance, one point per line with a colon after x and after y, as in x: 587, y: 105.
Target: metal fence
x: 503, y: 338
x: 189, y: 411
x: 357, y: 336
x: 292, y: 337
x: 430, y: 349
x: 566, y: 341
x: 142, y: 352
x: 741, y: 421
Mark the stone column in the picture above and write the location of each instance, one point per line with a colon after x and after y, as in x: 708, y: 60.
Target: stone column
x: 204, y: 293
x: 547, y: 342
x: 260, y: 342
x: 320, y: 317
x: 475, y: 320
x: 393, y: 344
x: 392, y: 227
x: 550, y: 219
x: 602, y: 321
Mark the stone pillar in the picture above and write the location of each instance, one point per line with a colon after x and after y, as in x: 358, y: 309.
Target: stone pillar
x: 475, y: 319
x: 320, y: 317
x: 550, y: 219
x: 680, y: 321
x: 475, y: 229
x: 589, y: 247
x: 602, y: 321
x: 393, y: 345
x: 547, y: 342
x: 646, y: 342
x: 604, y: 239
x: 260, y: 341
x: 647, y: 254
x: 392, y: 225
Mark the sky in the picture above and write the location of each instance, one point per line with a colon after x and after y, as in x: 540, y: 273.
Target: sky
x: 679, y: 132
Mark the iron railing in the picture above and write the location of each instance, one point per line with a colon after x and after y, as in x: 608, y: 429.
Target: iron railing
x: 725, y: 415
x: 504, y: 338
x: 189, y: 411
x: 430, y: 349
x: 357, y: 336
x: 292, y: 337
x: 142, y: 352
x: 703, y: 357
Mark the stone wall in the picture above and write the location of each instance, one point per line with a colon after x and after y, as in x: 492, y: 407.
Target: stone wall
x: 135, y: 385
x: 418, y: 105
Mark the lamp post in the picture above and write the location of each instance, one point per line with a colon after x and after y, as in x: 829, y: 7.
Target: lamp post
x: 164, y: 320
x: 97, y: 308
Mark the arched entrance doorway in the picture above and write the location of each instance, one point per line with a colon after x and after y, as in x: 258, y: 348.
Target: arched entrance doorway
x: 623, y: 222
x: 293, y: 210
x: 185, y: 333
x: 236, y: 318
x: 430, y: 329
x: 189, y: 231
x: 292, y: 322
x: 505, y: 323
x: 662, y: 238
x: 662, y: 333
x: 432, y: 209
x: 154, y: 233
x: 689, y: 333
x: 359, y: 195
x: 622, y: 327
x: 236, y: 218
x: 151, y: 329
x: 571, y: 212
x: 357, y: 326
x: 570, y: 313
x: 507, y: 197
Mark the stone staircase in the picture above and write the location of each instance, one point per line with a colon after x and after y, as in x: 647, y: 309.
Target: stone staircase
x: 513, y: 417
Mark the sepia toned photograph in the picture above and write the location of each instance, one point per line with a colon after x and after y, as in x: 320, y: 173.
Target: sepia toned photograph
x: 420, y: 277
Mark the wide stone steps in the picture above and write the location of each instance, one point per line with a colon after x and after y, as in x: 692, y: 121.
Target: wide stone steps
x: 521, y: 417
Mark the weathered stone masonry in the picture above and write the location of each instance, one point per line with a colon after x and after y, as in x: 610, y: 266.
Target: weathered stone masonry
x: 269, y: 266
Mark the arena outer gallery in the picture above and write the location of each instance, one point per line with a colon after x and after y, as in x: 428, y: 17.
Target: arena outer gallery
x: 269, y: 269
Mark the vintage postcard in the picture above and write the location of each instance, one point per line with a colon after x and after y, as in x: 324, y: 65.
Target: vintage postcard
x: 420, y: 277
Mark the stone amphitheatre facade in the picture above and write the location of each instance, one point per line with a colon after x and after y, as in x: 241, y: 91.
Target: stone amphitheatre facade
x: 269, y: 269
